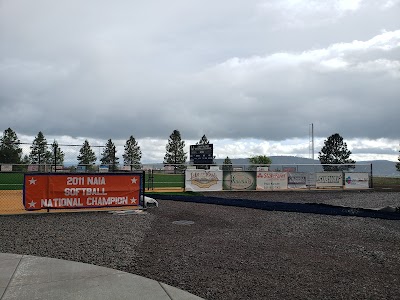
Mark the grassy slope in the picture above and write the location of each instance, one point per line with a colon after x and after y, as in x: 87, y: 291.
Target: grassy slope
x: 386, y: 181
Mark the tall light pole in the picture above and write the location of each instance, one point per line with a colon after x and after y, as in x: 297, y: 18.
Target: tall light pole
x: 311, y: 141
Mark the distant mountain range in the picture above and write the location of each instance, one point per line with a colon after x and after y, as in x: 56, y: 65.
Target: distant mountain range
x: 379, y: 167
x: 384, y: 168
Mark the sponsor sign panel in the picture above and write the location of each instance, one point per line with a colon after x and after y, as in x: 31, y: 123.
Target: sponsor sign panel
x: 239, y: 181
x: 81, y: 169
x: 297, y: 180
x: 169, y: 169
x: 329, y: 179
x: 6, y: 168
x: 311, y: 179
x: 356, y: 180
x: 33, y: 168
x: 272, y: 180
x: 203, y: 180
x: 260, y: 169
x: 103, y: 168
x: 57, y: 168
x: 80, y: 190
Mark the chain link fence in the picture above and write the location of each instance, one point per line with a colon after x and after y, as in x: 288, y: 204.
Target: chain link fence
x: 64, y: 158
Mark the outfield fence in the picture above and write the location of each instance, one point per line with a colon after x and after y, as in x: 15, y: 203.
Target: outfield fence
x: 189, y: 177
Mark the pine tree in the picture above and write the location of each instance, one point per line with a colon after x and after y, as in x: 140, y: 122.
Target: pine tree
x: 227, y: 164
x: 109, y: 156
x: 175, y: 154
x: 86, y: 156
x: 26, y: 160
x: 335, y: 151
x: 203, y: 141
x: 39, y: 151
x: 398, y: 164
x: 259, y: 161
x: 132, y: 154
x: 10, y: 151
x: 58, y: 158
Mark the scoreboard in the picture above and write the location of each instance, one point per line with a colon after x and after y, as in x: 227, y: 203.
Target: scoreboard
x: 202, y: 154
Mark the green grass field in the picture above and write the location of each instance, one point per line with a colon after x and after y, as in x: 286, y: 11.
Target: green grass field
x: 386, y: 181
x: 166, y: 181
x: 11, y: 181
x: 14, y: 181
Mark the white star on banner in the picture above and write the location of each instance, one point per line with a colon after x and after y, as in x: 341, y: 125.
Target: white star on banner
x: 133, y: 200
x: 32, y: 181
x: 134, y: 180
x: 32, y: 204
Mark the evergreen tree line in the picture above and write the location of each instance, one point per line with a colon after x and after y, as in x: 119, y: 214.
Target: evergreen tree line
x: 334, y: 151
x: 42, y: 153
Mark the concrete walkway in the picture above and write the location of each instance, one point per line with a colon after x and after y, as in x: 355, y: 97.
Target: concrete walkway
x: 31, y: 277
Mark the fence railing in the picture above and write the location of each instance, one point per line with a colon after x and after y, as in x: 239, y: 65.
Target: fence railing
x: 180, y: 177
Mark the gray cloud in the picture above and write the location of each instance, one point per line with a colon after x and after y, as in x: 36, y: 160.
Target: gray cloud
x: 258, y: 69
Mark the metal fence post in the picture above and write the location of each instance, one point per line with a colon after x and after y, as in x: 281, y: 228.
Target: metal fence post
x: 372, y: 179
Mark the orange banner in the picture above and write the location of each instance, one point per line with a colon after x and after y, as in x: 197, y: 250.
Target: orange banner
x: 80, y: 190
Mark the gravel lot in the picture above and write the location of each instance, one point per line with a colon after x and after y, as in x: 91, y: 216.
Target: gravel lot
x: 231, y: 252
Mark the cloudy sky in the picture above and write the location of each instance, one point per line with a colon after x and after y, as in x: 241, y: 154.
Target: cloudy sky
x: 251, y: 75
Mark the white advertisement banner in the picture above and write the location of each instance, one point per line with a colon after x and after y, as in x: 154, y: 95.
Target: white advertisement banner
x: 203, y: 180
x: 311, y: 180
x: 272, y: 180
x: 262, y: 169
x: 297, y: 180
x: 103, y: 169
x: 356, y: 180
x: 33, y: 168
x: 6, y: 168
x: 329, y: 179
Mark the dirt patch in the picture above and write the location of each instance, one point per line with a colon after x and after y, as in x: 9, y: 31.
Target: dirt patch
x: 11, y: 202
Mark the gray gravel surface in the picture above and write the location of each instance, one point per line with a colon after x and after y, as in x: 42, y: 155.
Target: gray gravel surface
x: 229, y: 252
x: 359, y: 199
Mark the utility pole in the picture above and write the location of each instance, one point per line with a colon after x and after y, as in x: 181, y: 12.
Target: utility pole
x: 311, y: 141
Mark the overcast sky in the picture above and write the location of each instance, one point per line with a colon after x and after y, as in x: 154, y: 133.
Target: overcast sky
x: 250, y: 75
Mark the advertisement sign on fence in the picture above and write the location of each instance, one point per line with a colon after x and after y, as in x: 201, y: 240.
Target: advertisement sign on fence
x: 239, y: 180
x: 356, y: 180
x: 81, y: 169
x: 6, y: 168
x: 33, y: 168
x: 297, y: 180
x: 262, y: 169
x: 203, y: 180
x: 103, y: 168
x: 311, y: 180
x: 272, y: 180
x: 329, y: 179
x: 80, y: 190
